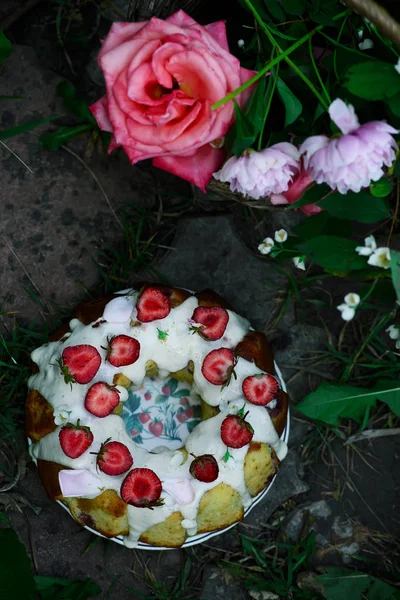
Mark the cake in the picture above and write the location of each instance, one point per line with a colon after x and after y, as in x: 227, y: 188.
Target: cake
x: 91, y: 458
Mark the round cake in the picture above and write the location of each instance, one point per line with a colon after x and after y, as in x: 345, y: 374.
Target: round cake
x: 156, y: 414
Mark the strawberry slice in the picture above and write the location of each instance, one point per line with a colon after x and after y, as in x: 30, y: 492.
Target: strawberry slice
x: 260, y: 389
x: 236, y: 432
x: 123, y: 350
x: 213, y: 320
x: 82, y: 362
x: 218, y: 366
x: 114, y: 458
x: 141, y: 488
x: 101, y: 399
x: 204, y: 468
x: 152, y: 304
x: 75, y: 439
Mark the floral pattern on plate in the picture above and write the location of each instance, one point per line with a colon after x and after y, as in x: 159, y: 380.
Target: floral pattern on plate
x: 161, y: 412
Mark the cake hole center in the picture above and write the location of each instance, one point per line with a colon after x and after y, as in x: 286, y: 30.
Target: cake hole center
x: 161, y: 412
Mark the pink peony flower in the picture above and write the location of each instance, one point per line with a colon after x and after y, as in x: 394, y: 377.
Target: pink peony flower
x: 296, y: 189
x: 260, y: 174
x: 353, y: 160
x: 162, y: 78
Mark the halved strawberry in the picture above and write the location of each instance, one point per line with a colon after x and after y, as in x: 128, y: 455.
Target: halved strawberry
x: 101, y: 399
x: 123, y: 350
x: 260, y: 389
x: 82, y: 362
x: 152, y: 304
x: 236, y: 432
x: 114, y: 458
x: 204, y: 468
x: 75, y: 439
x: 218, y: 366
x: 141, y: 488
x: 213, y: 320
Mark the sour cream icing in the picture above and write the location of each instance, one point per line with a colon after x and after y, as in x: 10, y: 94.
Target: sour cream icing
x: 182, y: 493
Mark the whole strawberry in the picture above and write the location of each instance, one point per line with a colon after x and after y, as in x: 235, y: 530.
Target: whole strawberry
x: 260, y: 389
x: 114, y: 458
x: 218, y: 366
x: 213, y: 321
x: 236, y: 432
x: 75, y: 439
x: 204, y: 468
x: 101, y: 399
x: 141, y: 488
x: 123, y: 350
x: 152, y: 304
x: 79, y: 364
x: 156, y: 428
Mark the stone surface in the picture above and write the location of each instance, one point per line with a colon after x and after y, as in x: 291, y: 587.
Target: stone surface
x: 53, y: 216
x: 218, y: 585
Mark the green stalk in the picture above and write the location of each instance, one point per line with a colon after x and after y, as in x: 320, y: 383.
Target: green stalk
x: 295, y: 68
x: 274, y: 61
x: 321, y: 83
x: 269, y: 101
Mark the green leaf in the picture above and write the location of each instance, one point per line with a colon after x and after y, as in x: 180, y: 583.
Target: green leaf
x: 55, y: 588
x: 361, y: 206
x: 372, y: 80
x: 334, y: 253
x: 161, y: 398
x: 191, y: 425
x: 323, y: 11
x: 311, y: 196
x: 16, y: 577
x: 395, y: 269
x: 341, y: 583
x: 244, y: 131
x: 5, y: 48
x: 73, y: 103
x: 172, y: 384
x: 293, y: 106
x: 320, y: 224
x: 276, y: 10
x: 181, y: 393
x: 162, y: 335
x: 294, y: 7
x: 55, y: 139
x: 332, y: 401
x: 17, y: 129
x: 255, y: 107
x: 393, y: 102
x: 381, y: 188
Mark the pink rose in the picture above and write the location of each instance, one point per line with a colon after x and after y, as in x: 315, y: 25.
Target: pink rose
x: 162, y: 78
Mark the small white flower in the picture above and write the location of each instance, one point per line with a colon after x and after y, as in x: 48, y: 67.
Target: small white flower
x: 298, y: 262
x: 352, y: 300
x: 266, y: 245
x: 394, y: 332
x: 369, y: 248
x: 281, y: 235
x: 348, y: 309
x: 366, y: 44
x: 380, y: 258
x: 397, y: 66
x: 240, y: 43
x: 360, y: 33
x: 62, y: 417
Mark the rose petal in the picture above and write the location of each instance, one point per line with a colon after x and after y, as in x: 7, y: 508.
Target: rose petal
x: 218, y: 31
x: 79, y: 483
x: 159, y: 60
x: 197, y: 169
x: 100, y: 112
x: 118, y: 34
x: 245, y: 75
x: 181, y: 19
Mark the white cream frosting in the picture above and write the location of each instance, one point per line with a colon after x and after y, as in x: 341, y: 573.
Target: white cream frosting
x: 181, y: 492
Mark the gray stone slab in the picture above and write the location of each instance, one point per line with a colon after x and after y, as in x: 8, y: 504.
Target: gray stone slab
x: 53, y: 216
x: 208, y: 253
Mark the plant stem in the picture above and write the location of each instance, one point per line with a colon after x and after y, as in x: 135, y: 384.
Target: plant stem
x: 343, y: 25
x: 269, y: 100
x: 274, y: 61
x: 321, y: 83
